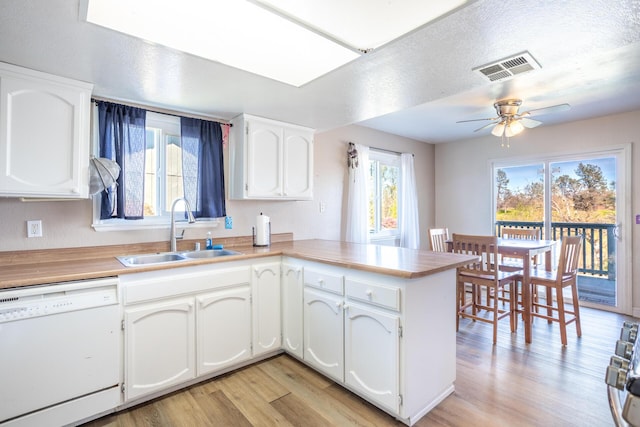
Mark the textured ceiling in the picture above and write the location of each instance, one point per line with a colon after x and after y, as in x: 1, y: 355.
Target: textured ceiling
x: 417, y: 86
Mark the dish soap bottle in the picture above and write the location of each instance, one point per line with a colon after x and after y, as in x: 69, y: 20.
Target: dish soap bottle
x: 209, y: 241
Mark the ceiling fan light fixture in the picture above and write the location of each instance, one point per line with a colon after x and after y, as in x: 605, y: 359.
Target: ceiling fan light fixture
x: 514, y: 127
x: 498, y: 130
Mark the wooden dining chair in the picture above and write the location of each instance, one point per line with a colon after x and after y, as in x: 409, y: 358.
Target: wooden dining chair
x: 438, y: 239
x: 485, y: 279
x: 511, y: 263
x: 566, y: 275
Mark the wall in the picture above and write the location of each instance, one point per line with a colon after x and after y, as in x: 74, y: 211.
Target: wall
x: 463, y: 172
x: 68, y: 223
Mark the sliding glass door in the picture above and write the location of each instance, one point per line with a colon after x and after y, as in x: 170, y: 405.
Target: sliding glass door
x: 568, y: 196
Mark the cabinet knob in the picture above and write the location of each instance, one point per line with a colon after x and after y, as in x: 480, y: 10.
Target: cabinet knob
x: 369, y: 293
x: 321, y: 282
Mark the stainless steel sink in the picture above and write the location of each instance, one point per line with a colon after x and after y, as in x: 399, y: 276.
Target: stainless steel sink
x: 172, y: 257
x: 150, y: 259
x: 210, y: 253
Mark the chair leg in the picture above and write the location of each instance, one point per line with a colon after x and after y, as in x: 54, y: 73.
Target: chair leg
x: 561, y: 316
x: 495, y: 313
x: 513, y: 305
x: 476, y: 297
x: 576, y: 308
x: 549, y: 301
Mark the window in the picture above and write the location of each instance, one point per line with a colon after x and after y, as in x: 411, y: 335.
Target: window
x: 384, y: 180
x: 163, y: 177
x: 569, y: 195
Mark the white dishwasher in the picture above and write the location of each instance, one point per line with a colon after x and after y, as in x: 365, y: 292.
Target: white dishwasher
x: 59, y: 352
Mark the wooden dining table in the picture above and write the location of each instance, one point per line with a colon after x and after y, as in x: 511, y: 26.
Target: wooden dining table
x: 526, y: 250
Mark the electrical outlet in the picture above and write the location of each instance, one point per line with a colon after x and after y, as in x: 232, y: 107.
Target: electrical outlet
x: 228, y: 222
x: 34, y: 228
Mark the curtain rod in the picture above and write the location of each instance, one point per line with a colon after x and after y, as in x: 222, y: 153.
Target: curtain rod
x: 162, y: 110
x: 389, y: 151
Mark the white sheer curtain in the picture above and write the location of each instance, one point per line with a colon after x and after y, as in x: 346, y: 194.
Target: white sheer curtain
x: 357, y: 227
x: 409, y: 220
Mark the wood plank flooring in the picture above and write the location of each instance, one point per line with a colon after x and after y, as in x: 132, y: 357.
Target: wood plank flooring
x: 509, y: 384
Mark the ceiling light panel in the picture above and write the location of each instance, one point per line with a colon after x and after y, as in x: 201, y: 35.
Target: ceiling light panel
x: 235, y: 33
x: 364, y: 24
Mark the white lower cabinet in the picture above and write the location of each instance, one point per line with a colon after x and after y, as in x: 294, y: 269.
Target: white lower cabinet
x: 159, y: 346
x: 324, y: 332
x: 267, y: 330
x: 184, y: 323
x: 223, y: 321
x: 371, y: 354
x: 352, y: 333
x: 292, y: 300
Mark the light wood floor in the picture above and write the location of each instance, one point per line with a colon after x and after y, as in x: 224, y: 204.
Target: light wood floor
x: 509, y: 384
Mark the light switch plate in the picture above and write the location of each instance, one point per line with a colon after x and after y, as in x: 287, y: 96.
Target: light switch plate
x: 228, y: 222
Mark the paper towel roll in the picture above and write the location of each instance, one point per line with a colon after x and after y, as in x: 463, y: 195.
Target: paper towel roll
x: 263, y: 231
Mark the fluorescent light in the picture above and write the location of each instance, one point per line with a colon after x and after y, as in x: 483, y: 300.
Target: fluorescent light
x: 363, y: 24
x: 236, y: 33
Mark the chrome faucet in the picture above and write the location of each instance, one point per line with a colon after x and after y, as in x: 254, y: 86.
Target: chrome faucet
x: 190, y: 217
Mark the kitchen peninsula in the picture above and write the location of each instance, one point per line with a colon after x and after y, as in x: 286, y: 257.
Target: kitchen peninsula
x: 378, y: 320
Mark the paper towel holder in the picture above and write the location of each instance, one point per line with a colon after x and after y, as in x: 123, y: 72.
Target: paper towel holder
x: 268, y: 236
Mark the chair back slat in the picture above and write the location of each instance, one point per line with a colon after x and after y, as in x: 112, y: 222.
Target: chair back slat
x: 569, y: 256
x: 485, y: 247
x: 438, y: 239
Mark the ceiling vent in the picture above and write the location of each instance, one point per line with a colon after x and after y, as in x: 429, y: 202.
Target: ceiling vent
x: 508, y: 67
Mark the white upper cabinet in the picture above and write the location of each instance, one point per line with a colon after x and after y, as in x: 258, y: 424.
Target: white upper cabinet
x: 270, y: 160
x: 44, y: 134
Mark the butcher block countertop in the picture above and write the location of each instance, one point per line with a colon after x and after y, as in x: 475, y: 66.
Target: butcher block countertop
x: 28, y: 268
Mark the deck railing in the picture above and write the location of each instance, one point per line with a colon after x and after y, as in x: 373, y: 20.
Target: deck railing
x: 598, y: 250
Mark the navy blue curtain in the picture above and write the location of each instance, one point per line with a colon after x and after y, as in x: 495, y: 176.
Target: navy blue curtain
x: 123, y: 139
x: 202, y: 167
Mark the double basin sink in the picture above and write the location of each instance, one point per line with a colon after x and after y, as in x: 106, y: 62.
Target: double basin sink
x: 173, y: 257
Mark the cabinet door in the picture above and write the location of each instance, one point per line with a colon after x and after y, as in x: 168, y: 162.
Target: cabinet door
x: 298, y: 164
x: 323, y: 333
x: 159, y: 346
x: 292, y: 309
x: 44, y: 141
x: 372, y: 348
x: 267, y: 335
x: 223, y: 320
x: 264, y: 159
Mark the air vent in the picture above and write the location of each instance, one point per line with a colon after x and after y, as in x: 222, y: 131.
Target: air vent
x: 508, y: 67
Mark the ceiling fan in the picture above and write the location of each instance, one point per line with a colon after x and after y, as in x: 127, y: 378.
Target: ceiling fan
x: 509, y: 122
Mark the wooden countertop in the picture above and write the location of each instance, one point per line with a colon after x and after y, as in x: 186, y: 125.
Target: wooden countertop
x: 399, y: 262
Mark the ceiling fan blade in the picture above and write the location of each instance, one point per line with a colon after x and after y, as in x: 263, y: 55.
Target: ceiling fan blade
x: 529, y: 123
x: 477, y: 120
x: 484, y: 127
x: 546, y: 110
